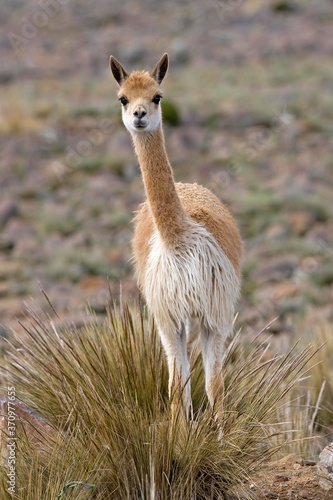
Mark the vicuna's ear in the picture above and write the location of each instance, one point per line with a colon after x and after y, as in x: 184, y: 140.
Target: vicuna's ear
x: 160, y: 69
x: 117, y: 70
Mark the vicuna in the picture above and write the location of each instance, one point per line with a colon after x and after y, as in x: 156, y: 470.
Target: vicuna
x: 187, y: 247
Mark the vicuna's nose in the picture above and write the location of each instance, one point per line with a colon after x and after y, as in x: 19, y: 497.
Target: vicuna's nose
x: 140, y: 113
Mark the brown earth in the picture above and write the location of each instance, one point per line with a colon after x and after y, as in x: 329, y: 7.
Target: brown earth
x: 290, y: 478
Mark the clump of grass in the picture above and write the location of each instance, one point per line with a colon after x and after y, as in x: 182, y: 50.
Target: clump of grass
x: 320, y: 386
x: 323, y: 275
x: 171, y: 114
x: 55, y: 220
x: 284, y: 7
x: 93, y: 164
x: 92, y: 111
x: 103, y: 388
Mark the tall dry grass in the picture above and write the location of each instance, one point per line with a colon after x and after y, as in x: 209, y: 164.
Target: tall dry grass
x: 103, y: 390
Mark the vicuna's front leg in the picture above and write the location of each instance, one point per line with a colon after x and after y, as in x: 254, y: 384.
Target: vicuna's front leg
x: 212, y: 348
x: 175, y: 347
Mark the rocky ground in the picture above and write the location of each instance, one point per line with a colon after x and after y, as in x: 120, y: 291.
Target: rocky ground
x: 290, y: 478
x: 248, y: 113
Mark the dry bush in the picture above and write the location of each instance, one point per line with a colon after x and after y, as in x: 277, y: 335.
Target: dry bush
x: 103, y: 388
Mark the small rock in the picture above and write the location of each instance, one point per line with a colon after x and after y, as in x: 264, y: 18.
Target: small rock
x: 4, y: 287
x: 289, y: 305
x: 276, y: 269
x: 301, y: 222
x: 6, y: 244
x: 325, y: 468
x: 309, y: 463
x: 281, y: 478
x: 8, y: 209
x: 276, y: 231
x: 17, y: 233
x: 289, y: 460
x: 49, y: 134
x: 10, y: 268
x: 92, y: 283
x: 286, y: 288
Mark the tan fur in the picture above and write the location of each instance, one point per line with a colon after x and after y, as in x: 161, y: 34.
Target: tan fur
x: 203, y: 207
x: 187, y: 247
x: 164, y: 203
x: 140, y: 84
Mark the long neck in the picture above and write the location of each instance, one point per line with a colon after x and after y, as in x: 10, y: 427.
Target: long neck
x: 164, y: 203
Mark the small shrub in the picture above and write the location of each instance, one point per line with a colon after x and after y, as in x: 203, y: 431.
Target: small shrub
x: 284, y: 6
x: 170, y: 113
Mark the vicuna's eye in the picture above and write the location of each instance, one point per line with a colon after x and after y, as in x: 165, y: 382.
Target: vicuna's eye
x: 123, y: 100
x: 157, y: 99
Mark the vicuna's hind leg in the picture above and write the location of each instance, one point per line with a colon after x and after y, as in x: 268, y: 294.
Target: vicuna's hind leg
x: 193, y: 330
x: 212, y: 348
x: 174, y: 344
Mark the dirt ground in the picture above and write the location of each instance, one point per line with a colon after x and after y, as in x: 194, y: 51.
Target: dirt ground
x: 290, y: 478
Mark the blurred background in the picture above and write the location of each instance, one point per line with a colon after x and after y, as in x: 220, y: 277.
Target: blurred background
x: 248, y: 112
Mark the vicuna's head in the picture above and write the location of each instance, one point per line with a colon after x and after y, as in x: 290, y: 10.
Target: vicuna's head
x: 140, y: 95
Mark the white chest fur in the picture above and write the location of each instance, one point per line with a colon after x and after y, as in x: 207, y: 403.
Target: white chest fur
x: 195, y: 279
